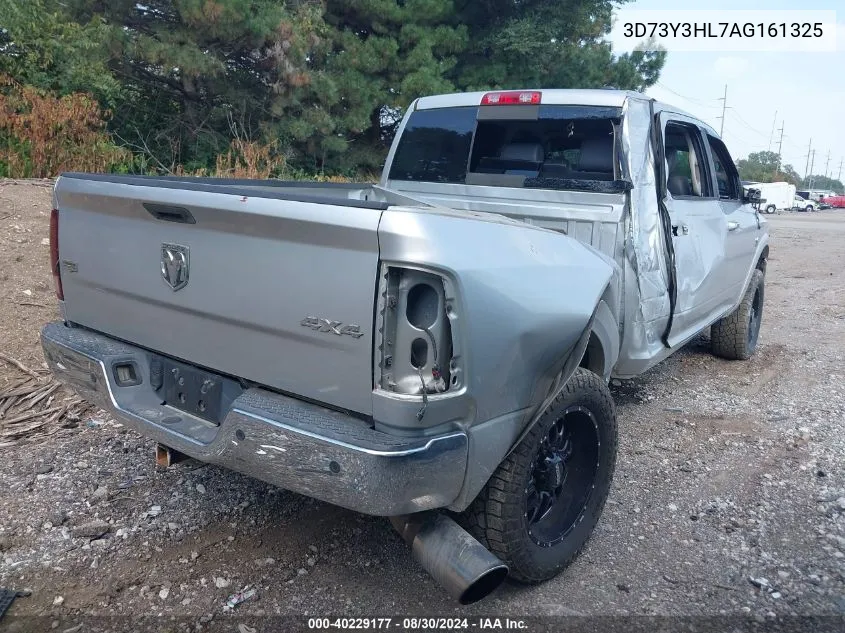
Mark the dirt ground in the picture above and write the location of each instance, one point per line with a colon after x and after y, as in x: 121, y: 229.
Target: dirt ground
x: 729, y: 495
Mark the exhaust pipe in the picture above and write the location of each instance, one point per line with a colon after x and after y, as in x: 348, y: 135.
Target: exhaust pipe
x: 459, y: 563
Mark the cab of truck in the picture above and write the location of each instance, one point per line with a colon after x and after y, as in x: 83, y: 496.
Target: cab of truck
x: 599, y: 166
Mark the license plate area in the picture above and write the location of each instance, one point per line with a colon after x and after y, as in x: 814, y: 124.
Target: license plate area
x: 192, y: 390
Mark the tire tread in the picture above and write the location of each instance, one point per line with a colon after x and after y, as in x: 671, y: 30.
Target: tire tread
x: 494, y: 517
x: 729, y: 335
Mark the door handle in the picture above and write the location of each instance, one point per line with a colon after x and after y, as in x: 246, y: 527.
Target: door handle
x: 733, y: 226
x: 170, y: 213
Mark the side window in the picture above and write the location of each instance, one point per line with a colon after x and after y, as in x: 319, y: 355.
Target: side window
x: 727, y: 177
x: 686, y: 168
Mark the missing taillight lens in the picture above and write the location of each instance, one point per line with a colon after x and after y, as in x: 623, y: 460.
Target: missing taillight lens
x: 415, y: 342
x: 54, y: 254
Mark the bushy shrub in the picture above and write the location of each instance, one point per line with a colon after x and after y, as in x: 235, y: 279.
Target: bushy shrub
x: 42, y: 135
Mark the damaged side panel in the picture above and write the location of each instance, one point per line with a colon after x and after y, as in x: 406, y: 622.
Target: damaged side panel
x: 521, y: 298
x: 707, y: 281
x: 647, y: 271
x: 521, y: 304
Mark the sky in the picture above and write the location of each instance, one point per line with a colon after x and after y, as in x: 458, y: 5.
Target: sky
x: 806, y: 91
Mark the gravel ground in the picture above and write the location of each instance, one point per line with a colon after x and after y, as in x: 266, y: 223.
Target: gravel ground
x: 729, y: 495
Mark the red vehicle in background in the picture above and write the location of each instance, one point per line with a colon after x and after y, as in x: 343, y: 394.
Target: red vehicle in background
x: 835, y: 201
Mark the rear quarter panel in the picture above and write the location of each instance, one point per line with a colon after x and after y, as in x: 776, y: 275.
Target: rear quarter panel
x: 525, y: 297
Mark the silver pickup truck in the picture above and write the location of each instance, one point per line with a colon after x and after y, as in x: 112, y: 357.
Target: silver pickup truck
x: 435, y: 348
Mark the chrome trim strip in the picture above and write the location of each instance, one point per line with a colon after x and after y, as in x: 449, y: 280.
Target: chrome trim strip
x: 361, y: 449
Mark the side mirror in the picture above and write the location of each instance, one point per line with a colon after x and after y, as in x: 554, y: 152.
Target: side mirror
x: 751, y: 196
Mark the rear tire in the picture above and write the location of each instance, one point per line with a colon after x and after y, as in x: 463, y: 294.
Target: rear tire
x: 771, y: 209
x: 735, y: 336
x: 541, y: 505
x: 809, y: 208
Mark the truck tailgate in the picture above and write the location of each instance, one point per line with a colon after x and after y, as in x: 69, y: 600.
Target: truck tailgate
x: 270, y: 289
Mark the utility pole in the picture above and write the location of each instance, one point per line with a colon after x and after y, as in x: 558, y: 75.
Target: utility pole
x: 807, y: 164
x: 827, y: 164
x: 839, y: 176
x: 780, y: 147
x: 724, y: 101
x: 772, y: 133
x: 812, y: 162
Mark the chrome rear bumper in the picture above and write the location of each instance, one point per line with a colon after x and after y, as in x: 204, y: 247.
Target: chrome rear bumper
x: 295, y: 445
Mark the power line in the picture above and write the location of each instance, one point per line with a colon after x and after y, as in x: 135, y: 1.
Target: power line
x: 743, y: 122
x: 751, y: 127
x: 763, y: 134
x: 791, y: 142
x: 772, y: 134
x: 753, y: 145
x: 731, y: 139
x: 690, y: 99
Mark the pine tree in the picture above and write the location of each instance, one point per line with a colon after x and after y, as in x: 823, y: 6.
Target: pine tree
x: 547, y: 44
x: 326, y: 82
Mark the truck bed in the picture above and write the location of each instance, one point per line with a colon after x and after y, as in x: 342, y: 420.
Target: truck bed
x: 361, y: 195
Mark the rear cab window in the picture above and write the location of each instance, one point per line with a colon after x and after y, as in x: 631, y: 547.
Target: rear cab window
x: 544, y: 146
x: 435, y: 145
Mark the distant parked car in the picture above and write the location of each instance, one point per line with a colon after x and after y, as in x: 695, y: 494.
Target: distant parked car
x: 837, y: 202
x: 801, y: 204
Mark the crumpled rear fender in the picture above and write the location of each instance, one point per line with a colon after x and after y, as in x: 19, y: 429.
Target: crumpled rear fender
x: 525, y: 298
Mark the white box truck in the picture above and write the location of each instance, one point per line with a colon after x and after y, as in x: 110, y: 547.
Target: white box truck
x: 776, y: 196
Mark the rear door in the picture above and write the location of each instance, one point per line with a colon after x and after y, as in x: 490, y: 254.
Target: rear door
x: 743, y: 223
x: 705, y: 285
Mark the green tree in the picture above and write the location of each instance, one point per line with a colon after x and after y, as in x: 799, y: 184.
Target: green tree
x: 40, y: 47
x: 197, y: 73
x: 766, y: 167
x: 431, y: 46
x: 326, y: 80
x: 378, y: 55
x: 823, y: 182
x: 788, y: 174
x: 547, y: 44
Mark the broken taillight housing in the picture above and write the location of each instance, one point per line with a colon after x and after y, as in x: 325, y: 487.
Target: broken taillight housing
x: 54, y: 253
x: 416, y: 350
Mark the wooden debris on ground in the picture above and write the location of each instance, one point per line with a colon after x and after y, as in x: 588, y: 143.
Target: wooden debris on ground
x: 35, y: 406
